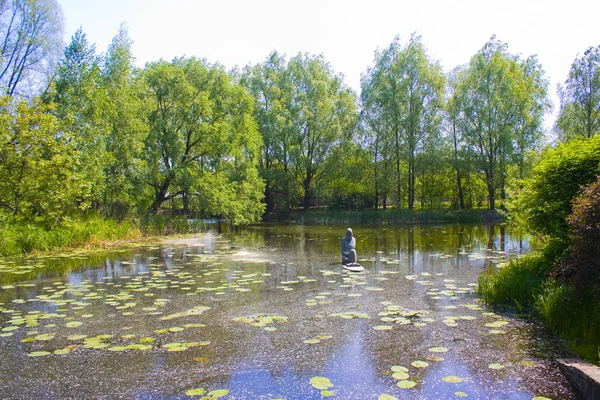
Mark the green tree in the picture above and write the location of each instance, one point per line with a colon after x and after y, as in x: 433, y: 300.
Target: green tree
x: 407, y: 87
x: 38, y: 166
x: 323, y: 116
x: 123, y: 117
x: 495, y: 94
x: 580, y: 98
x: 80, y: 103
x: 202, y: 141
x: 271, y: 88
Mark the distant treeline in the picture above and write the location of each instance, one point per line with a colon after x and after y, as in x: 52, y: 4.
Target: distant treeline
x: 84, y: 132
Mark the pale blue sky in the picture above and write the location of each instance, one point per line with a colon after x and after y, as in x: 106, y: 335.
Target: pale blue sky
x: 238, y: 32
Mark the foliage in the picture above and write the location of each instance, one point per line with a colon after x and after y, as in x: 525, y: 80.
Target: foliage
x: 502, y: 100
x: 202, y: 140
x: 575, y: 317
x: 31, y: 35
x: 580, y: 98
x: 402, y: 99
x: 28, y: 236
x: 39, y: 174
x: 546, y: 198
x: 520, y: 281
x: 582, y: 264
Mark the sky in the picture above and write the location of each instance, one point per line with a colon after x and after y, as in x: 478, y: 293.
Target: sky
x: 347, y: 33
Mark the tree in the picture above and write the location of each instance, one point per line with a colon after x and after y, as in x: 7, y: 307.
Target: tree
x: 322, y: 115
x: 80, y: 103
x: 38, y: 166
x: 495, y: 93
x: 580, y: 98
x: 407, y: 88
x: 126, y: 128
x: 31, y: 33
x: 202, y: 143
x: 271, y: 88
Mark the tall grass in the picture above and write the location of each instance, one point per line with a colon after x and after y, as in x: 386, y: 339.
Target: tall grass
x: 524, y: 283
x: 25, y: 237
x: 393, y: 216
x: 574, y: 316
x: 516, y: 283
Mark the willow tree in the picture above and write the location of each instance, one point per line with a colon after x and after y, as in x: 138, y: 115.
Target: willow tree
x: 272, y: 91
x: 495, y: 94
x: 323, y: 114
x: 202, y: 145
x: 405, y: 87
x: 580, y: 98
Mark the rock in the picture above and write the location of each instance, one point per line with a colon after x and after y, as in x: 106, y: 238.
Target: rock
x: 585, y: 376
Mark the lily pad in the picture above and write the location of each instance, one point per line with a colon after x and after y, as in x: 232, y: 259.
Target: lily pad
x: 320, y: 382
x: 215, y: 394
x: 460, y: 394
x: 496, y: 366
x: 419, y: 364
x: 438, y: 349
x: 452, y: 379
x: 382, y: 327
x: 386, y: 397
x: 327, y: 393
x: 74, y: 324
x: 196, y: 392
x: 39, y: 354
x: 401, y: 376
x: 406, y: 384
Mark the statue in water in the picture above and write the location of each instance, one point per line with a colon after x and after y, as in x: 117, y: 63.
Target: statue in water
x: 348, y: 248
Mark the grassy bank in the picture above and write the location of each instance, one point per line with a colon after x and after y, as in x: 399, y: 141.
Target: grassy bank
x: 21, y: 238
x: 394, y: 216
x: 26, y: 237
x: 523, y: 284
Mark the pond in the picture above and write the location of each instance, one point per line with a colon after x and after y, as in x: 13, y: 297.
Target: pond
x: 266, y: 312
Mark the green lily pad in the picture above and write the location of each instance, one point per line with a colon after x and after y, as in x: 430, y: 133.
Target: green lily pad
x: 541, y: 398
x: 496, y: 366
x: 311, y: 341
x: 438, y: 349
x: 196, y: 392
x: 406, y: 384
x: 327, y: 393
x: 382, y: 327
x: 62, y: 352
x: 45, y: 337
x: 147, y: 340
x: 401, y: 376
x: 419, y: 364
x: 452, y: 379
x: 117, y: 348
x: 320, y: 382
x: 460, y: 394
x: 386, y: 397
x: 215, y: 394
x: 399, y: 368
x: 73, y: 324
x: 435, y: 358
x: 39, y: 354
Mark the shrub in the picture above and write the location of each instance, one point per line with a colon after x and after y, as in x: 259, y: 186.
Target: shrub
x: 582, y: 264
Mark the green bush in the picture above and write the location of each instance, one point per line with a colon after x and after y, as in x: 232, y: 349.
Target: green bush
x: 544, y: 203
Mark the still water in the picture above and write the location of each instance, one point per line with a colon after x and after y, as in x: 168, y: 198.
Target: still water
x: 266, y: 312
